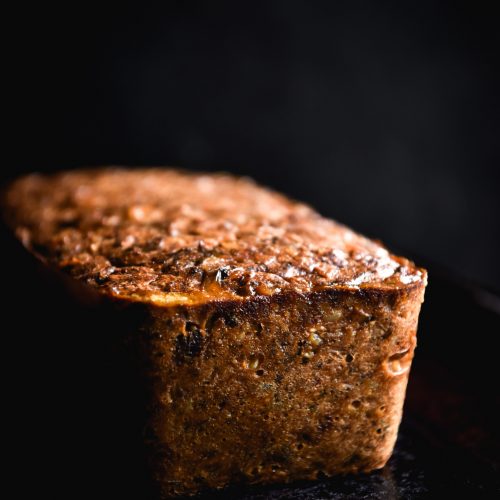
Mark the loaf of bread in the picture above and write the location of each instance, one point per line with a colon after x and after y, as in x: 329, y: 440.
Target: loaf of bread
x: 274, y: 345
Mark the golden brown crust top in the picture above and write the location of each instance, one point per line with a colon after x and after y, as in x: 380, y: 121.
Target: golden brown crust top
x: 155, y: 232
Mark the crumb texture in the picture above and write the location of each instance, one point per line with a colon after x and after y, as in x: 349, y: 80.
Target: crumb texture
x: 269, y: 392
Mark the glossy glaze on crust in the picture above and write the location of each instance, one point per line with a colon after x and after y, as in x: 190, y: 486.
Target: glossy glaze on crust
x: 167, y: 237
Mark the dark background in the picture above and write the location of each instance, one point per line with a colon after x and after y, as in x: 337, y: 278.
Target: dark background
x: 385, y: 117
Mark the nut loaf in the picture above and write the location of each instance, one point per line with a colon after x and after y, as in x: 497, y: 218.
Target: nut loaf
x: 274, y: 344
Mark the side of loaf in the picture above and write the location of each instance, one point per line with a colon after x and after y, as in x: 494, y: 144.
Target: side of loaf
x: 274, y: 345
x: 278, y: 389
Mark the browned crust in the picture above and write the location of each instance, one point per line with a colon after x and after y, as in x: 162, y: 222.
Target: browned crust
x: 168, y: 237
x: 244, y: 381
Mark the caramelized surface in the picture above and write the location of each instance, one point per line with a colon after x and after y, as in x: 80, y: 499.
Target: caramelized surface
x: 167, y: 236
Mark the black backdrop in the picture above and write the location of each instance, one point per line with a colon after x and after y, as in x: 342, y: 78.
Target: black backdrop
x: 385, y: 117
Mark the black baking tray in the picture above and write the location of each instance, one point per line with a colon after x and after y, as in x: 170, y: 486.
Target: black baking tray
x: 448, y: 445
